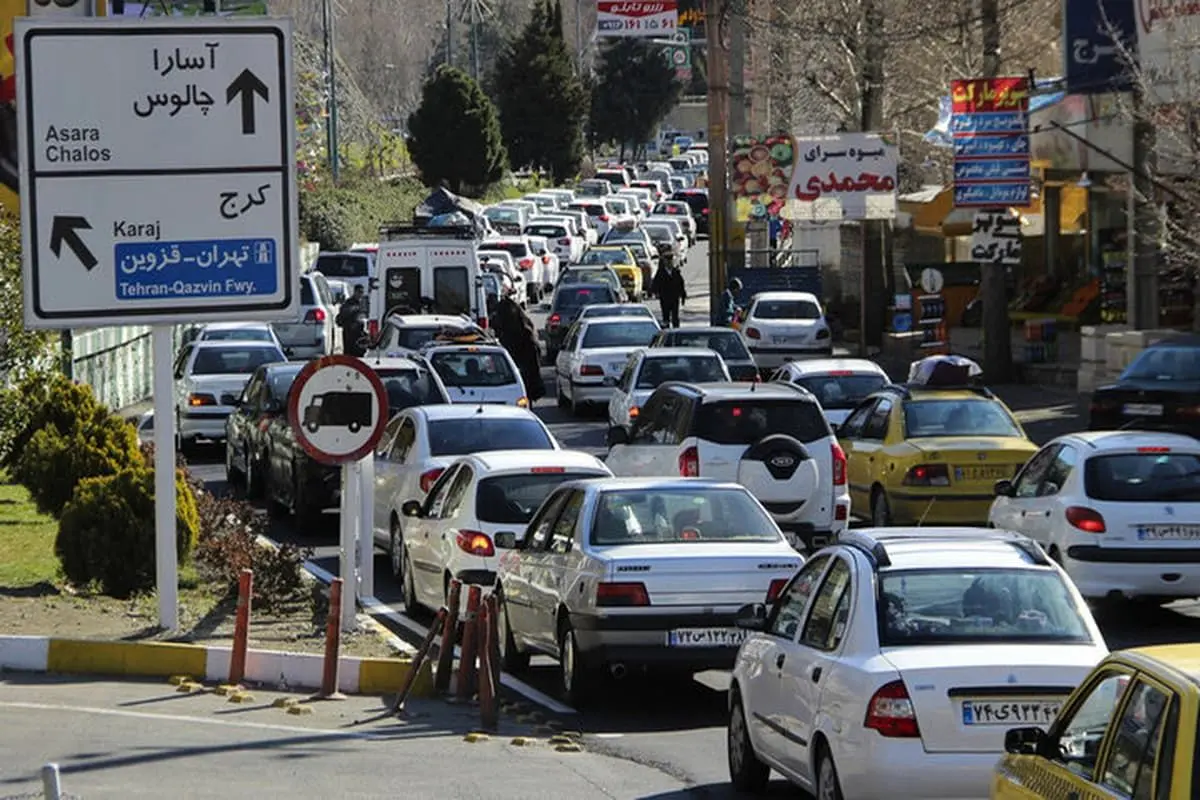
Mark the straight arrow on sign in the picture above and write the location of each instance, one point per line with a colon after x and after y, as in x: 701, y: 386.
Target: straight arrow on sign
x: 247, y: 84
x: 65, y: 230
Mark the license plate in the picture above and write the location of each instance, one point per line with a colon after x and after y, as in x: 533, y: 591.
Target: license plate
x: 1155, y: 533
x: 1142, y: 410
x: 988, y: 473
x: 610, y: 381
x: 706, y: 637
x: 1010, y: 712
x: 782, y: 339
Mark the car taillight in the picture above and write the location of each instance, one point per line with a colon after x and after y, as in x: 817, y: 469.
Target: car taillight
x: 1101, y: 406
x: 523, y: 402
x: 373, y: 328
x: 704, y: 211
x: 554, y: 320
x: 316, y: 315
x: 927, y: 475
x: 839, y: 464
x: 482, y: 322
x: 564, y: 241
x: 689, y: 463
x: 634, y: 411
x: 841, y: 513
x: 1086, y: 519
x: 590, y: 369
x: 604, y: 217
x: 775, y: 588
x: 622, y: 594
x: 201, y: 400
x: 753, y: 333
x: 890, y: 712
x: 525, y: 263
x: 546, y: 259
x: 476, y: 543
x: 429, y: 478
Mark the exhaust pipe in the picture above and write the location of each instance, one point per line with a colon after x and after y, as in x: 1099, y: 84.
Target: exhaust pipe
x: 618, y: 671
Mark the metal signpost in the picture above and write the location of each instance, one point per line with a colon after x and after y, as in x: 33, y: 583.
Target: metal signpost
x: 163, y: 194
x: 338, y: 411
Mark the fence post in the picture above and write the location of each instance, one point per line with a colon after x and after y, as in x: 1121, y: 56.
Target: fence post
x: 51, y: 782
x: 445, y: 663
x: 333, y: 637
x: 489, y: 714
x: 466, y: 662
x: 494, y: 649
x: 241, y: 628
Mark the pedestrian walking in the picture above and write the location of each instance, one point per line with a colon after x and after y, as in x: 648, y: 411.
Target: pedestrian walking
x: 669, y: 287
x: 728, y: 307
x: 351, y: 318
x: 518, y: 336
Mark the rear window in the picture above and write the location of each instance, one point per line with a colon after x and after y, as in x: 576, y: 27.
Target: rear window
x: 690, y: 369
x: 1165, y: 364
x: 658, y: 233
x: 957, y: 418
x: 515, y: 249
x: 450, y: 294
x: 234, y: 361
x: 841, y: 391
x: 988, y: 606
x: 503, y: 214
x: 569, y: 297
x: 458, y: 437
x: 513, y: 499
x: 586, y: 276
x: 409, y: 387
x: 548, y: 231
x: 341, y: 266
x: 786, y: 309
x: 1143, y: 477
x: 726, y: 345
x: 745, y: 422
x: 625, y: 334
x: 623, y: 310
x: 671, y: 516
x: 459, y: 368
x: 306, y: 293
x: 696, y: 201
x: 237, y: 334
x: 617, y: 207
x: 605, y: 257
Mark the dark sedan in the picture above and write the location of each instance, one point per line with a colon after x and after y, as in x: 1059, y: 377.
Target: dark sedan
x: 697, y: 200
x: 263, y: 400
x: 569, y: 300
x: 724, y: 341
x: 1159, y: 390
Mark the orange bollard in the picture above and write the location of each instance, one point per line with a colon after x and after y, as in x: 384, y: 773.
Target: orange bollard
x: 241, y: 628
x: 489, y: 713
x: 333, y: 642
x: 466, y: 662
x: 445, y: 665
x: 418, y: 662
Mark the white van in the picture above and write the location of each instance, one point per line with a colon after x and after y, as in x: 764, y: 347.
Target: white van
x: 355, y: 268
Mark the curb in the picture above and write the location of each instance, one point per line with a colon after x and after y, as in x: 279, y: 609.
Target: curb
x: 373, y: 676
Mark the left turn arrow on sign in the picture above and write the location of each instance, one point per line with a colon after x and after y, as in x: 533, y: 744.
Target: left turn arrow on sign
x: 65, y: 230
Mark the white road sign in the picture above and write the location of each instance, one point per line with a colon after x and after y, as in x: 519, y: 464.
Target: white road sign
x: 162, y: 189
x: 337, y: 409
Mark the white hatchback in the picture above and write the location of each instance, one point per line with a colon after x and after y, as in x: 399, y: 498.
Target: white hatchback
x: 839, y: 384
x: 593, y: 357
x: 475, y: 374
x: 783, y: 326
x: 649, y: 369
x: 1120, y: 510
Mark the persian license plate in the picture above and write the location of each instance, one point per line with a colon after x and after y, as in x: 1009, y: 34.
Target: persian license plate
x: 1142, y: 410
x: 706, y: 637
x: 1157, y: 533
x: 1010, y: 712
x: 783, y: 339
x: 985, y: 473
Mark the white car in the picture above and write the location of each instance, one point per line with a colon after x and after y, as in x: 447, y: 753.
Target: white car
x: 238, y: 332
x: 145, y: 427
x: 770, y: 437
x: 420, y: 442
x: 649, y: 369
x: 508, y: 220
x: 894, y: 662
x: 314, y: 333
x: 408, y: 382
x: 564, y: 196
x: 452, y: 532
x: 680, y: 211
x: 544, y: 202
x: 682, y: 240
x: 839, y: 384
x: 641, y: 197
x: 1119, y: 510
x: 557, y: 232
x: 579, y: 225
x: 621, y: 211
x: 501, y: 261
x: 550, y: 261
x: 666, y: 238
x: 597, y: 213
x: 405, y: 334
x: 478, y: 373
x: 617, y: 575
x: 783, y: 326
x: 209, y: 378
x: 527, y: 262
x: 593, y: 356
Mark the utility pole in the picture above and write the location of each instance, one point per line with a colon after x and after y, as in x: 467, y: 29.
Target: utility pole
x: 718, y: 178
x: 872, y: 303
x: 1141, y: 297
x: 993, y: 278
x: 736, y: 256
x: 331, y: 118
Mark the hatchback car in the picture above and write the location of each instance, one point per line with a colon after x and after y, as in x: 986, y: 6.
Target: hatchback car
x: 725, y: 342
x: 781, y: 326
x: 476, y: 374
x: 593, y: 357
x: 647, y: 370
x: 839, y: 384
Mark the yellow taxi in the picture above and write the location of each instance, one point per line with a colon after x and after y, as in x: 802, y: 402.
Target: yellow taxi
x: 1128, y: 731
x: 623, y: 262
x: 930, y: 455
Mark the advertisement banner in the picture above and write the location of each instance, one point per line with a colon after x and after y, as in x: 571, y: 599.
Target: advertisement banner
x: 1098, y: 37
x: 1167, y: 54
x: 679, y: 55
x: 996, y: 238
x: 848, y: 176
x: 762, y: 172
x: 649, y: 18
x: 989, y: 125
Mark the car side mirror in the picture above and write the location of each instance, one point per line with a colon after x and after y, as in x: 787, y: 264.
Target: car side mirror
x: 1004, y: 489
x: 751, y: 617
x: 411, y: 508
x: 506, y: 540
x: 1025, y: 741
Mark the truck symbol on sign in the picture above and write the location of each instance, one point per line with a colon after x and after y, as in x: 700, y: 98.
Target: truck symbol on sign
x: 338, y: 409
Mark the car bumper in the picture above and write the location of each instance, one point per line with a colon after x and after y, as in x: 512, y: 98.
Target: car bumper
x: 203, y: 424
x: 642, y: 641
x: 1134, y: 572
x: 875, y: 766
x: 591, y: 392
x: 773, y: 357
x: 808, y: 538
x: 939, y: 509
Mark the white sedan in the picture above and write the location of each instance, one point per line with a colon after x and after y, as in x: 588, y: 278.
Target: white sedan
x: 238, y: 332
x: 681, y: 211
x: 650, y: 368
x: 209, y: 378
x: 839, y: 384
x: 1120, y: 510
x: 478, y: 373
x: 783, y: 326
x: 593, y: 356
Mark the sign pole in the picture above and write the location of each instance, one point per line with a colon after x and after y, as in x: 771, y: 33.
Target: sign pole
x: 366, y: 527
x: 165, y: 554
x: 349, y: 542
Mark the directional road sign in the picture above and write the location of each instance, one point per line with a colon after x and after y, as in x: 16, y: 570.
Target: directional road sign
x: 157, y: 168
x: 338, y: 409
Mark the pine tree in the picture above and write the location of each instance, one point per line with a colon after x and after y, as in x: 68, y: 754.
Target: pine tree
x: 454, y: 136
x: 636, y: 89
x: 557, y: 23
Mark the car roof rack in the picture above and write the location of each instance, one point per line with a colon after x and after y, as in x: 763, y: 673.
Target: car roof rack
x: 873, y: 541
x: 906, y: 389
x: 396, y: 230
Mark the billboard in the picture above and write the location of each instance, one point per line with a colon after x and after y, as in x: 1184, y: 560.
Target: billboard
x: 637, y: 18
x: 1099, y: 36
x: 989, y: 124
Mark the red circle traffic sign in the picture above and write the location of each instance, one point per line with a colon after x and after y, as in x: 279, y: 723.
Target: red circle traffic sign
x: 337, y: 409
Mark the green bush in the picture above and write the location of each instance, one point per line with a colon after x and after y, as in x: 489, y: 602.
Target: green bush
x: 55, y: 461
x: 338, y: 216
x: 40, y: 400
x: 106, y: 533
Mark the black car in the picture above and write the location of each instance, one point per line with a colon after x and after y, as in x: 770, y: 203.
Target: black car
x: 263, y: 400
x: 697, y: 200
x: 724, y: 341
x: 569, y: 300
x: 1159, y: 390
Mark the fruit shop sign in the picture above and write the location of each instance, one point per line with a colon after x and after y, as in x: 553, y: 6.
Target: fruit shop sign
x: 848, y: 176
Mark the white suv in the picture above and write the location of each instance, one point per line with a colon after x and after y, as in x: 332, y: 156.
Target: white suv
x: 782, y: 326
x: 771, y: 438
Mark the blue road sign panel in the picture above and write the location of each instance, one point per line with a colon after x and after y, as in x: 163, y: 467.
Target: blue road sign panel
x: 990, y: 146
x: 233, y: 268
x: 991, y: 169
x: 990, y: 122
x: 991, y: 195
x: 1098, y: 38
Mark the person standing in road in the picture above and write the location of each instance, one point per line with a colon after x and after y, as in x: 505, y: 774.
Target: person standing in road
x: 350, y: 319
x: 668, y: 285
x: 728, y: 309
x: 518, y: 336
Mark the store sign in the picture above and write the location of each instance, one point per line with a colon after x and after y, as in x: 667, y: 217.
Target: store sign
x: 649, y: 18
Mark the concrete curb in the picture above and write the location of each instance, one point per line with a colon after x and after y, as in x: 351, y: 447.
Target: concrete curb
x: 164, y: 659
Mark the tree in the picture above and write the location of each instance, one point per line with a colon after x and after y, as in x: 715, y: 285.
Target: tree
x: 454, y: 136
x: 22, y: 350
x: 542, y: 101
x: 636, y: 89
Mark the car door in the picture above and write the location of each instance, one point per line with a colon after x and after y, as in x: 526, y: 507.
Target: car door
x: 849, y: 434
x: 565, y: 359
x: 239, y: 429
x: 1050, y: 503
x: 622, y: 397
x: 389, y: 471
x: 521, y: 589
x: 421, y: 541
x: 1139, y: 753
x: 442, y: 533
x: 1018, y: 513
x: 557, y: 569
x: 180, y: 373
x: 869, y: 447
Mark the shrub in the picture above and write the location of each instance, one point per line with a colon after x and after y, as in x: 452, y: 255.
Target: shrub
x: 43, y: 398
x: 106, y: 533
x: 338, y: 216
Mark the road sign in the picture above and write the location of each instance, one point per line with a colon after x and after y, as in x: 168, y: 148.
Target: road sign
x: 164, y: 190
x: 337, y: 409
x: 932, y: 280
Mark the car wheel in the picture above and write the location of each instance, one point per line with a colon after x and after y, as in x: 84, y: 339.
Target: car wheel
x: 511, y: 659
x: 233, y: 476
x: 746, y: 772
x: 411, y: 603
x: 396, y: 553
x: 827, y: 779
x: 574, y: 676
x: 881, y: 510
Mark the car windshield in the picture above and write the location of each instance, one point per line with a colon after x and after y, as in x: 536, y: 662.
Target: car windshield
x: 619, y: 334
x: 605, y: 257
x: 547, y: 231
x: 238, y: 334
x: 409, y: 387
x: 458, y: 437
x: 341, y: 266
x: 513, y: 499
x: 586, y: 276
x: 728, y: 345
x: 985, y: 606
x: 747, y: 421
x: 685, y: 514
x: 841, y: 391
x: 1143, y: 477
x: 503, y: 214
x: 957, y: 418
x: 574, y: 297
x: 466, y: 368
x: 1165, y: 364
x: 786, y: 309
x: 234, y: 361
x: 691, y: 369
x: 695, y: 200
x: 658, y: 233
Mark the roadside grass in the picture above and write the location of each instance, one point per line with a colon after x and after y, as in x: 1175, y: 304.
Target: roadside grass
x: 26, y: 541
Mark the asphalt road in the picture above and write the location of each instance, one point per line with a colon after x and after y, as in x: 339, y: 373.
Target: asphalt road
x: 678, y: 727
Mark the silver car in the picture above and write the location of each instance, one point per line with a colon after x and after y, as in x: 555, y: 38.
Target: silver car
x: 617, y: 574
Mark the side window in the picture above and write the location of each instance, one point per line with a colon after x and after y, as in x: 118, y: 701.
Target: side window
x: 252, y: 395
x: 648, y: 419
x: 389, y: 435
x: 830, y: 609
x: 181, y: 361
x: 1081, y: 732
x: 852, y: 428
x: 626, y: 382
x: 563, y: 532
x: 1059, y: 471
x: 539, y: 528
x: 1030, y: 477
x: 406, y: 437
x: 789, y: 609
x: 323, y: 292
x: 666, y: 426
x: 1131, y: 766
x: 876, y: 427
x: 438, y: 494
x: 456, y: 492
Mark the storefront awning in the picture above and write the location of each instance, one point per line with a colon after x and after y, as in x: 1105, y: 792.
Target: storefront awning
x: 932, y: 212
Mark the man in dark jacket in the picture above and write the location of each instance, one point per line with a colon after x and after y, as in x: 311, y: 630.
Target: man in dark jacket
x: 668, y: 285
x: 518, y: 336
x: 350, y: 319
